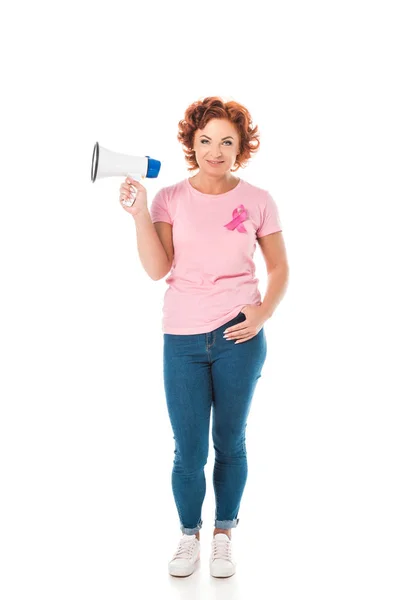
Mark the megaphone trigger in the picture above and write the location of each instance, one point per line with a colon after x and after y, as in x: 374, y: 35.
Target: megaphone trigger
x: 134, y: 192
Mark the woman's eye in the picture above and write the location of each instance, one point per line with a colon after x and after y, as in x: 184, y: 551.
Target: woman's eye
x: 226, y: 142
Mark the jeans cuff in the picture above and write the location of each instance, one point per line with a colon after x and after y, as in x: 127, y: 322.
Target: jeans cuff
x: 192, y: 530
x: 226, y: 524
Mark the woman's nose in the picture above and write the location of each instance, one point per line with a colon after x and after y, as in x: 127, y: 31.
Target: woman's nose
x: 216, y: 153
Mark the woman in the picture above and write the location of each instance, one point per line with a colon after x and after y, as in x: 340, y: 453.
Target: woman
x: 205, y: 229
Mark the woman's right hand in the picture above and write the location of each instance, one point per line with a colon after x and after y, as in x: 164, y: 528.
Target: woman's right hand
x: 140, y: 204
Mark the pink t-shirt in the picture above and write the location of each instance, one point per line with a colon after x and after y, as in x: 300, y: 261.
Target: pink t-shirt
x: 213, y: 274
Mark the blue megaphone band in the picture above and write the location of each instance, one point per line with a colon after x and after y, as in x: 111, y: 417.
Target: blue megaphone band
x: 153, y: 167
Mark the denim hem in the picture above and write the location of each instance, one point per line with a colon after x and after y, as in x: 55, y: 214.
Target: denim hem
x: 226, y: 524
x: 191, y: 530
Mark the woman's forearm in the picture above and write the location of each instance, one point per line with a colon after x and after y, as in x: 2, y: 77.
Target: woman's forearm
x: 276, y: 288
x: 151, y: 251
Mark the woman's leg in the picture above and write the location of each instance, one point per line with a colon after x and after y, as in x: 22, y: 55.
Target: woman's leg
x: 236, y: 369
x: 188, y: 389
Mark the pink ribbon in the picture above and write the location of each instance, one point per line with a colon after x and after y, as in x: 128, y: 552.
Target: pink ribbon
x: 239, y: 215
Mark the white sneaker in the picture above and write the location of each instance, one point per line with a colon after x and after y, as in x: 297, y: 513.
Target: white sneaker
x: 186, y: 557
x: 221, y: 561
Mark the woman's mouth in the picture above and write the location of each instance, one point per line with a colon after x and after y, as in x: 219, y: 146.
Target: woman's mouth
x: 214, y: 163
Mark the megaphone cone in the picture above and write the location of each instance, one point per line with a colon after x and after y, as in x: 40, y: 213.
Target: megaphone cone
x: 106, y: 163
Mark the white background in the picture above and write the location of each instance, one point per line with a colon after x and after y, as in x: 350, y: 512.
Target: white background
x: 86, y: 448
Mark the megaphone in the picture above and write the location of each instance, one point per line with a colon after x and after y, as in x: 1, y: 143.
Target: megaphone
x: 106, y: 163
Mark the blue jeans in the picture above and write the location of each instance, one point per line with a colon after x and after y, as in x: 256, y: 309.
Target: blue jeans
x: 200, y: 371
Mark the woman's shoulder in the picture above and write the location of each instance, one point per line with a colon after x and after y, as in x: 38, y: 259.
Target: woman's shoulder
x: 170, y: 189
x: 256, y: 189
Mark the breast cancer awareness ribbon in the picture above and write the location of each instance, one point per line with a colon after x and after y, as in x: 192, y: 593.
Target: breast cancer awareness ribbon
x: 239, y: 215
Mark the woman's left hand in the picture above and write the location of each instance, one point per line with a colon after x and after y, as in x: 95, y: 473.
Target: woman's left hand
x: 242, y: 332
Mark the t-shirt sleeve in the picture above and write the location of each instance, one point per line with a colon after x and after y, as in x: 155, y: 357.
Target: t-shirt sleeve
x: 270, y: 222
x: 159, y: 209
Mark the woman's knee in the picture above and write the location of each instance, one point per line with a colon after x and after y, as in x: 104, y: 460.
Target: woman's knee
x: 190, y: 459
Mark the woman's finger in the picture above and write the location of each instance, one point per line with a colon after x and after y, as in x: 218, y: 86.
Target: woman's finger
x: 244, y: 340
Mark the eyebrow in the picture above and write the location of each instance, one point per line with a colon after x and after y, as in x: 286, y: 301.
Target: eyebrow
x: 225, y: 138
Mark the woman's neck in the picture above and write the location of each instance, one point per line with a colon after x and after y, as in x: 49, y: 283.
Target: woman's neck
x: 210, y: 185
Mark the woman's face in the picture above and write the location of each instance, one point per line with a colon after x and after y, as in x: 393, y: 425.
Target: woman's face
x: 219, y: 141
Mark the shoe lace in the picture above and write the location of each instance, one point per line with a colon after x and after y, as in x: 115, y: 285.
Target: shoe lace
x: 222, y: 549
x: 185, y: 548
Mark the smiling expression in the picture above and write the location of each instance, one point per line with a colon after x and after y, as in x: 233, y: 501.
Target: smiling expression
x: 217, y: 143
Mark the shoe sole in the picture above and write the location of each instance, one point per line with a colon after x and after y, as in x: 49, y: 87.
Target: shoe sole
x: 222, y: 576
x: 181, y: 572
x: 222, y: 573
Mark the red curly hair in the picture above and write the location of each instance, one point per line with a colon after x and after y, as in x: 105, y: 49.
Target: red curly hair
x: 198, y: 114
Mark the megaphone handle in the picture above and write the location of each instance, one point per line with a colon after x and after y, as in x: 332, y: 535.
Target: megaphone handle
x: 131, y: 202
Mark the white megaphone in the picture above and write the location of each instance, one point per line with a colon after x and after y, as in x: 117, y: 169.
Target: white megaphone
x: 106, y: 163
